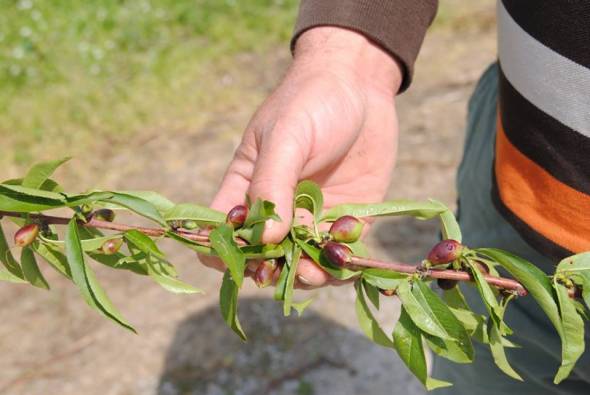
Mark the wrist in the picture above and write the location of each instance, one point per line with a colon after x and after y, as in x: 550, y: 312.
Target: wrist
x: 345, y: 51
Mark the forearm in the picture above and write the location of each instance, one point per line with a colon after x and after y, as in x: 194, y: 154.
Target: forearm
x: 397, y: 26
x: 343, y: 50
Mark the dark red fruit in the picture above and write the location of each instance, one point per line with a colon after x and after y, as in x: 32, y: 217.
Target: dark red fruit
x: 265, y: 272
x: 387, y: 292
x: 337, y: 254
x: 445, y: 251
x: 446, y: 284
x: 346, y: 229
x: 104, y: 214
x: 26, y: 235
x: 237, y: 216
x: 111, y: 246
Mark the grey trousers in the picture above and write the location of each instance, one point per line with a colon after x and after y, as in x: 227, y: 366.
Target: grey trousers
x: 540, y: 354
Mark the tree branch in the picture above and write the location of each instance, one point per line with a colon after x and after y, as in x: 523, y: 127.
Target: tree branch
x: 202, y: 237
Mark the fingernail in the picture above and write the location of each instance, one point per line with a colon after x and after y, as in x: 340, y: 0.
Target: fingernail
x: 303, y: 280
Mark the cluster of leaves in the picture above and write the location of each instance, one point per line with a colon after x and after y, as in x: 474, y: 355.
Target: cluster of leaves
x: 445, y: 324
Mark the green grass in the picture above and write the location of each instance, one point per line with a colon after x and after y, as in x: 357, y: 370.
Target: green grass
x: 75, y: 72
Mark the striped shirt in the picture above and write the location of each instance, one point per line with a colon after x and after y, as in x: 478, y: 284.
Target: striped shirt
x: 542, y: 162
x: 542, y: 165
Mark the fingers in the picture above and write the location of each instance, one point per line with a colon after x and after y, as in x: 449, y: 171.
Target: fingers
x: 281, y: 156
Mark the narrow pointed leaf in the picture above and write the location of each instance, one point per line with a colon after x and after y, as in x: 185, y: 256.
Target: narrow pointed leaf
x: 228, y: 303
x: 85, y: 279
x: 367, y: 320
x: 573, y: 334
x: 421, y: 210
x: 7, y: 259
x: 222, y: 241
x: 407, y: 340
x: 308, y: 195
x: 40, y: 172
x: 31, y: 269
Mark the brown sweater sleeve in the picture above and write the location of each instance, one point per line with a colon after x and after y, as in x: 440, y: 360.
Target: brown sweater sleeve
x: 398, y: 26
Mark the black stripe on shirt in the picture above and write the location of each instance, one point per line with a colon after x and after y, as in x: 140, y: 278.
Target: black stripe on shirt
x: 563, y: 26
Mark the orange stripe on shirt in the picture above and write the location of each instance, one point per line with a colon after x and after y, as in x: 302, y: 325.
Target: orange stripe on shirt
x: 552, y: 208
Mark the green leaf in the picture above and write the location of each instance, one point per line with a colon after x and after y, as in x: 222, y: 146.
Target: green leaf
x: 301, y: 306
x: 450, y: 227
x: 22, y: 192
x: 427, y: 311
x: 407, y: 340
x: 222, y: 241
x: 367, y: 320
x: 200, y: 214
x: 292, y: 257
x: 308, y: 195
x: 5, y: 275
x: 143, y: 243
x: 161, y: 203
x: 40, y: 172
x: 16, y: 200
x: 383, y: 279
x: 358, y: 248
x: 7, y: 259
x: 228, y: 303
x: 281, y: 286
x: 169, y: 283
x: 31, y: 269
x: 264, y: 251
x: 532, y: 278
x: 420, y: 210
x: 48, y: 185
x: 372, y: 293
x: 488, y: 297
x: 137, y: 205
x: 448, y: 349
x: 573, y: 334
x: 85, y: 279
x: 316, y: 255
x: 54, y: 258
x: 499, y: 354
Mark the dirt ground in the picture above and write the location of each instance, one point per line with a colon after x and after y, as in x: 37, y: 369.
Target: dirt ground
x: 51, y: 343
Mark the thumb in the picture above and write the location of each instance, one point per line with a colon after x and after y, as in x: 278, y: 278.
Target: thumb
x: 282, y: 155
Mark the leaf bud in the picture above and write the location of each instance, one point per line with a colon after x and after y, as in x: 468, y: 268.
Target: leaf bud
x: 445, y: 251
x: 189, y: 224
x: 26, y: 235
x: 337, y: 254
x: 111, y: 246
x: 346, y: 229
x: 237, y: 216
x: 265, y: 272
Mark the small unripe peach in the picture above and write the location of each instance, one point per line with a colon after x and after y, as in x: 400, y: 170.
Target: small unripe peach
x: 445, y: 251
x: 111, y: 246
x: 446, y: 284
x: 104, y: 214
x: 265, y: 272
x: 337, y: 254
x: 237, y: 216
x: 26, y: 235
x: 346, y: 229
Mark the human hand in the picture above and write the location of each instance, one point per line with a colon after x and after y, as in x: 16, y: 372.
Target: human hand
x: 331, y: 120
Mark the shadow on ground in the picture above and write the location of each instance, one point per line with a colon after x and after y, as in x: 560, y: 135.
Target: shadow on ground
x: 303, y: 356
